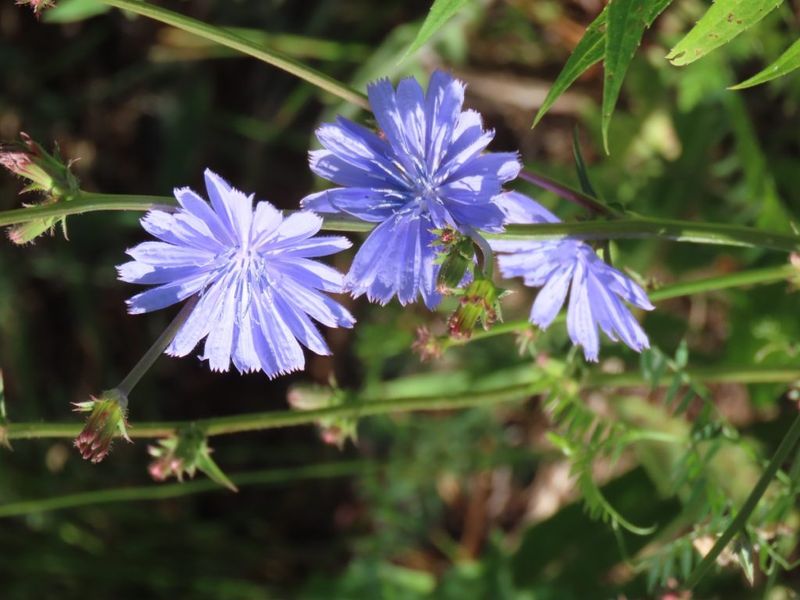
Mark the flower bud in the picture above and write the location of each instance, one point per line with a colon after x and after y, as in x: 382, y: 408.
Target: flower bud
x: 185, y: 453
x: 45, y: 172
x: 456, y: 256
x: 37, y: 5
x: 333, y: 430
x: 479, y: 303
x: 107, y: 419
x: 427, y: 345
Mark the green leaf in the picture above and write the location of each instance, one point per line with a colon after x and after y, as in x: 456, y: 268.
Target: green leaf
x: 580, y: 166
x: 69, y: 11
x: 207, y: 465
x: 588, y: 52
x: 786, y: 63
x: 441, y: 12
x: 226, y: 38
x: 723, y: 21
x: 626, y: 25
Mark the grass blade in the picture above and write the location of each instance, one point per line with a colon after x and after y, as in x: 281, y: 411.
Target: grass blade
x: 441, y: 12
x: 225, y: 37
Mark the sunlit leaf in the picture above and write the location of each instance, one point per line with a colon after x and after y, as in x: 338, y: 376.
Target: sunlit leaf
x: 588, y: 52
x: 723, y: 21
x: 441, y: 12
x: 786, y: 63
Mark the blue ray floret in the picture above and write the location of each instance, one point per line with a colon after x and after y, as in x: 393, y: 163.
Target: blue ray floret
x: 597, y: 289
x: 252, y: 270
x: 425, y: 169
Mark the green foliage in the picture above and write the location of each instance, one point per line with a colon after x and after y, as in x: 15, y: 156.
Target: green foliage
x: 788, y: 62
x: 70, y: 11
x: 441, y: 11
x: 723, y: 21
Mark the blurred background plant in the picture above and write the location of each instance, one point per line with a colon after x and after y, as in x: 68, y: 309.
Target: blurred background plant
x: 483, y: 502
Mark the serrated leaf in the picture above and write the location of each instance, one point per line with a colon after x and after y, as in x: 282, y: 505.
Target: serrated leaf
x: 69, y: 11
x: 588, y: 52
x: 626, y: 25
x: 786, y: 63
x: 441, y: 12
x: 723, y: 21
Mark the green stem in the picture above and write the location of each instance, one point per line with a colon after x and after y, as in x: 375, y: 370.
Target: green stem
x: 681, y: 231
x: 377, y: 406
x: 84, y: 203
x: 781, y: 454
x: 644, y: 228
x: 226, y: 37
x: 175, y: 490
x: 131, y: 379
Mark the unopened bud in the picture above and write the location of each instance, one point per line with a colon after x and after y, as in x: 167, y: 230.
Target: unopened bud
x: 479, y: 303
x: 37, y: 5
x: 427, y: 345
x: 107, y: 419
x: 456, y: 255
x: 333, y: 430
x: 185, y: 453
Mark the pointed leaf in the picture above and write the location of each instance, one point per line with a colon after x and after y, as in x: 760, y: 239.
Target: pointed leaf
x: 207, y: 465
x: 580, y: 166
x: 626, y: 25
x: 723, y: 21
x: 588, y: 52
x: 441, y: 12
x: 786, y: 63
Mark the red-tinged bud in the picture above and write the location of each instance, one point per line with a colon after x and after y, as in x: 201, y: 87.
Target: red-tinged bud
x: 37, y: 5
x: 427, y: 345
x: 45, y: 172
x: 333, y: 430
x: 456, y: 255
x: 185, y: 453
x: 479, y: 303
x: 107, y: 420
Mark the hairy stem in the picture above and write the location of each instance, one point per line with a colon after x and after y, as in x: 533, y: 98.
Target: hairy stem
x: 365, y: 406
x: 640, y: 228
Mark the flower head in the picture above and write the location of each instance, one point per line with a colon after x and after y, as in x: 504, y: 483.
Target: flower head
x: 597, y: 289
x: 251, y: 268
x: 424, y: 170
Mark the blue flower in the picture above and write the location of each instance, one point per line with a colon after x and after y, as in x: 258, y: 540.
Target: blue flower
x: 424, y: 170
x: 252, y: 271
x: 554, y: 266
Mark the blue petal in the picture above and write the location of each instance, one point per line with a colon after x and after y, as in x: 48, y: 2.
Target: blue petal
x: 429, y: 269
x: 161, y: 254
x: 199, y: 208
x: 383, y: 100
x: 311, y: 274
x: 318, y: 306
x: 443, y: 103
x: 581, y: 326
x: 411, y: 104
x: 301, y: 327
x: 138, y: 272
x: 277, y: 349
x: 369, y: 205
x: 295, y: 228
x: 519, y: 208
x: 551, y: 298
x: 219, y: 343
x: 166, y: 295
x: 235, y: 210
x: 199, y: 322
x: 332, y: 167
x: 318, y: 202
x: 318, y: 246
x: 182, y: 229
x: 498, y: 166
